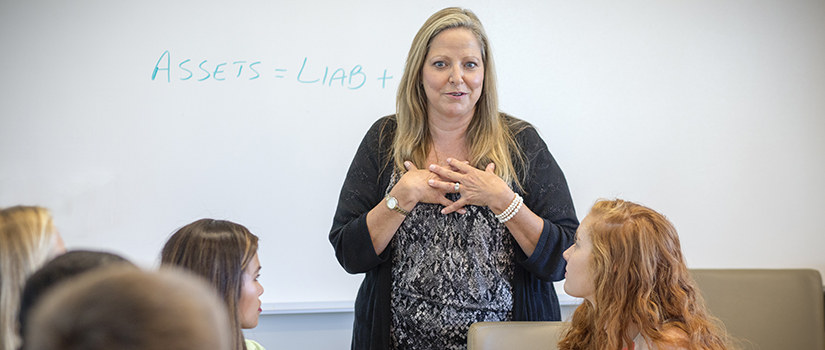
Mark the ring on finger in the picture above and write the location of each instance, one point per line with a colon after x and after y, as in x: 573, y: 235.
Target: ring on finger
x: 456, y: 187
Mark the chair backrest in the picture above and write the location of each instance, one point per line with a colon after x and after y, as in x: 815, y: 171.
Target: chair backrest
x: 767, y: 309
x: 515, y: 335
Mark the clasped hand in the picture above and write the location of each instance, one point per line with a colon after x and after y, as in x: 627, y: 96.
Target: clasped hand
x: 477, y: 187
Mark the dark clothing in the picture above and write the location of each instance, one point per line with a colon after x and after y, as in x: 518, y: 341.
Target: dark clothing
x: 545, y: 193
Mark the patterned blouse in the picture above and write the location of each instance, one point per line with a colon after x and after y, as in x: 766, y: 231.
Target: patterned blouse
x: 449, y: 271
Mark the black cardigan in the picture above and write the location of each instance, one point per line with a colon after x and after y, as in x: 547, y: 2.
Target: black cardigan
x: 545, y: 193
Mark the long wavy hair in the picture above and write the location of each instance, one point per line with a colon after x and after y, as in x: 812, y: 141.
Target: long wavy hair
x: 490, y: 135
x: 219, y: 251
x: 641, y: 279
x: 27, y: 241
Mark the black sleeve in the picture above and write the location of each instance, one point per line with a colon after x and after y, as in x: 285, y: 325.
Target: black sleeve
x: 362, y: 191
x: 546, y: 194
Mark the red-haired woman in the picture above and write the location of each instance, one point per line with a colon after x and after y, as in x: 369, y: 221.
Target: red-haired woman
x: 628, y: 266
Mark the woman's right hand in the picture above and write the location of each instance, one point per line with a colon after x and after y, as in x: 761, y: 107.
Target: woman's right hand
x: 413, y: 188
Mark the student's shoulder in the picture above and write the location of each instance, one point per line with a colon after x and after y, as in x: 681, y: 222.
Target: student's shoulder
x: 253, y: 345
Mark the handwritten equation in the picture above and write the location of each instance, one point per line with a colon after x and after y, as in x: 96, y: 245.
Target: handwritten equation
x: 352, y: 78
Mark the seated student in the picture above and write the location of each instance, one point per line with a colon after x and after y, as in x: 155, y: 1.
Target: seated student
x: 61, y: 269
x: 225, y: 253
x: 28, y: 239
x: 628, y: 266
x: 126, y: 308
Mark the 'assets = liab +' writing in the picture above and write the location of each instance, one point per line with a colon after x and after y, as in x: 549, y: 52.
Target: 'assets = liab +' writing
x: 189, y: 70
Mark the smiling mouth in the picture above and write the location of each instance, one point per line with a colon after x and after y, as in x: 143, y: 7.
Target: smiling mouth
x: 456, y: 94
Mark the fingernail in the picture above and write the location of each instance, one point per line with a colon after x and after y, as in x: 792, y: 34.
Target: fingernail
x: 432, y: 166
x: 462, y: 211
x: 407, y: 164
x: 444, y: 211
x: 431, y: 181
x: 449, y: 160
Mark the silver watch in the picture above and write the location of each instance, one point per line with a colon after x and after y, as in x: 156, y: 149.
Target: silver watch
x: 392, y: 203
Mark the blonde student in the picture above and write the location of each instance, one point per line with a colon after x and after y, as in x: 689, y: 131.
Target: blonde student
x: 28, y: 239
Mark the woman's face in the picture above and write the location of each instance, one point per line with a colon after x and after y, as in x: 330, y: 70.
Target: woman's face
x: 249, y: 306
x: 579, y: 275
x: 453, y: 74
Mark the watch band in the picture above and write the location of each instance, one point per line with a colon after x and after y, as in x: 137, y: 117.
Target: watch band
x: 400, y: 210
x: 392, y: 203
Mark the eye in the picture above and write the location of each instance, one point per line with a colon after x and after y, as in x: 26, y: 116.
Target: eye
x: 439, y: 64
x: 471, y: 65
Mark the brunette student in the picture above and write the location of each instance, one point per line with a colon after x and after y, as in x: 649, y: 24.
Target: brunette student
x: 126, y: 308
x: 226, y: 254
x: 61, y: 269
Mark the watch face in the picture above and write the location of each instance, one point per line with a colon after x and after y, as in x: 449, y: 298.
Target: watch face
x: 392, y: 202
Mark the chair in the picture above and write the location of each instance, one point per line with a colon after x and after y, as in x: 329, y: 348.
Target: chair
x: 515, y: 335
x: 767, y: 309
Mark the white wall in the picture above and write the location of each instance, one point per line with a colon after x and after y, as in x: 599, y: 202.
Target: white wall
x: 710, y: 111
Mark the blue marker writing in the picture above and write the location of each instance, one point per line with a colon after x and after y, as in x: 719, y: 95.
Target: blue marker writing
x: 204, y: 70
x: 186, y: 69
x: 356, y: 71
x: 302, y: 71
x: 157, y: 67
x: 252, y: 67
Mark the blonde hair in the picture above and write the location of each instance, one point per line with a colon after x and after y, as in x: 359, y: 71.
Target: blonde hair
x: 490, y: 135
x: 219, y: 251
x: 640, y: 278
x: 126, y: 308
x: 26, y: 241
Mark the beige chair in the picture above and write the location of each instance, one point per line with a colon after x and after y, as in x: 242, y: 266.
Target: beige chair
x: 767, y: 309
x: 515, y: 335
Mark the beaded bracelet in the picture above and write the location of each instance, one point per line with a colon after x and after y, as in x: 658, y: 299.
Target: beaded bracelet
x: 513, y: 213
x: 509, y: 208
x: 509, y: 212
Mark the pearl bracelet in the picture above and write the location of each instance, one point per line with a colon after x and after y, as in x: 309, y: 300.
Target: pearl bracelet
x: 513, y: 213
x: 511, y: 210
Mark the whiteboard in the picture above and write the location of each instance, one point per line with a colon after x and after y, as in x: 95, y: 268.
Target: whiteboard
x: 131, y: 119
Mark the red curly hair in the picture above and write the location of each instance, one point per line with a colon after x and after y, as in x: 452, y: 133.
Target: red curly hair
x: 640, y: 280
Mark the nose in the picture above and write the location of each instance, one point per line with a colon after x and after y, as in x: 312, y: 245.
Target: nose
x: 260, y: 289
x: 455, y: 75
x: 566, y: 254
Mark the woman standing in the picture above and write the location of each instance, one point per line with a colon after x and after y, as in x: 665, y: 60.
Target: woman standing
x: 456, y: 212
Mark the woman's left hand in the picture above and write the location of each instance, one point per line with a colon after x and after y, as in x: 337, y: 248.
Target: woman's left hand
x: 477, y: 187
